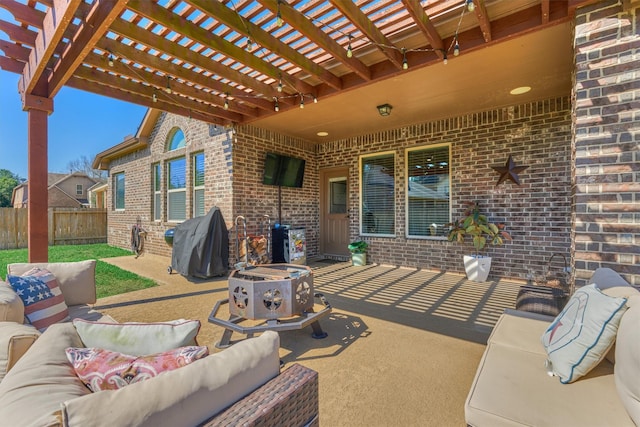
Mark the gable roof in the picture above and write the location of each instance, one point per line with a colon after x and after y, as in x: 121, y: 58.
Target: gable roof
x: 130, y: 143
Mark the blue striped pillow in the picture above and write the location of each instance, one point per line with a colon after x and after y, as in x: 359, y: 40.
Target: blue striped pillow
x: 582, y: 334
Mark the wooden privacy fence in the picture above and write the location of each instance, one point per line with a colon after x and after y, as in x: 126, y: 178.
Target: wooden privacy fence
x: 67, y: 226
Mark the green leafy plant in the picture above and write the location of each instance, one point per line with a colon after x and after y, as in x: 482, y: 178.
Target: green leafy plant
x: 359, y: 247
x: 477, y: 225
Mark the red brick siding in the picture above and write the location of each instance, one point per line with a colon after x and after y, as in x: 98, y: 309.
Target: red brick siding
x: 606, y: 223
x: 252, y: 199
x: 537, y: 213
x: 138, y: 187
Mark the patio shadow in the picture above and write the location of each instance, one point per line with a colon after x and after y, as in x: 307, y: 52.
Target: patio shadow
x: 443, y: 303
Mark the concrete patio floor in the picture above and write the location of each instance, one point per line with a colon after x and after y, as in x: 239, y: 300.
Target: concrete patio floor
x: 403, y: 344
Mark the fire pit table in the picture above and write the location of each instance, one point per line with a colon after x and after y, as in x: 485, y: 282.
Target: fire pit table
x: 281, y: 295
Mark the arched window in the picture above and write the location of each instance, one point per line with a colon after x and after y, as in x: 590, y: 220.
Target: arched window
x: 176, y: 139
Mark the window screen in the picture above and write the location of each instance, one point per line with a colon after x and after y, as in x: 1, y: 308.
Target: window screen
x: 118, y: 191
x: 157, y: 188
x: 176, y: 189
x: 428, y: 184
x: 377, y: 194
x: 198, y: 184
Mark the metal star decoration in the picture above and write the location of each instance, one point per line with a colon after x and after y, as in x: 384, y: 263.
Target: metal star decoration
x: 509, y: 171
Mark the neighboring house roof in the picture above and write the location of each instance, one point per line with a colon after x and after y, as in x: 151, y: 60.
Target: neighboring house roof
x: 53, y: 182
x: 130, y: 143
x: 52, y: 178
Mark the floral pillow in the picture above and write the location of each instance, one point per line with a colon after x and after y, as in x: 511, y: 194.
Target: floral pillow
x: 101, y: 369
x: 43, y: 300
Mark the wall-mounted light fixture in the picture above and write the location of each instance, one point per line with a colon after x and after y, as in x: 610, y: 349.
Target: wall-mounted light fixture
x: 384, y: 109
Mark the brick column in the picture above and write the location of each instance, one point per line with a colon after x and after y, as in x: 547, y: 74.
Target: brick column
x: 38, y: 109
x: 606, y: 111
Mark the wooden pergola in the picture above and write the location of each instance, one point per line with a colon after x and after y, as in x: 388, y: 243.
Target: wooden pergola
x: 234, y: 61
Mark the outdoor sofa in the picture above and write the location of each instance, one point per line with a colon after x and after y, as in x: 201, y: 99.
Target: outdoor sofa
x: 241, y: 385
x: 513, y: 388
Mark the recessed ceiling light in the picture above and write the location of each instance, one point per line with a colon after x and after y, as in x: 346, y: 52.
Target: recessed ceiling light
x: 323, y: 133
x: 520, y: 90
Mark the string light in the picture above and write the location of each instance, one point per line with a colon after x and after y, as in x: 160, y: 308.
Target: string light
x: 455, y: 47
x: 470, y: 5
x: 279, y: 20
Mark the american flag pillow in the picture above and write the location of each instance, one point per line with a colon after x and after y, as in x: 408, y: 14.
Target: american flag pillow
x: 43, y: 300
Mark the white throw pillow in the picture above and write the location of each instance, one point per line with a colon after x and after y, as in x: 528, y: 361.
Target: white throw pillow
x: 138, y: 339
x: 582, y: 334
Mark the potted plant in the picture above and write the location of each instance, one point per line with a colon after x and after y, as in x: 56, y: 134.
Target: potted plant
x: 358, y: 253
x: 482, y: 232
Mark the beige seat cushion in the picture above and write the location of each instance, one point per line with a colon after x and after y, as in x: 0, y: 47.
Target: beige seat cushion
x: 512, y: 388
x: 33, y: 389
x: 11, y: 306
x: 187, y: 396
x: 77, y: 279
x: 15, y: 340
x: 521, y: 330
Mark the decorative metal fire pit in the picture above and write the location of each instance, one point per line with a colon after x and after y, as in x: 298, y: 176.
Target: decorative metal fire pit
x: 279, y: 290
x: 271, y: 292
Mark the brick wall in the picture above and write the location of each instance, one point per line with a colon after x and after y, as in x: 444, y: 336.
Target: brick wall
x: 214, y: 142
x: 607, y: 152
x: 536, y: 213
x: 252, y: 199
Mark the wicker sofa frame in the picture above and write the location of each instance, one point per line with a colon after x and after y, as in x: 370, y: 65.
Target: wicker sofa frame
x: 290, y: 399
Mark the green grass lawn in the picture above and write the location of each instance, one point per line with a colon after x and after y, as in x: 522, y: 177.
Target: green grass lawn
x: 110, y: 280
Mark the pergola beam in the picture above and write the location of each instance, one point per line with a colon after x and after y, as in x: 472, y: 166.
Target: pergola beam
x: 171, y: 20
x: 300, y: 22
x: 115, y: 93
x: 263, y: 38
x: 55, y: 22
x: 161, y: 44
x: 483, y: 19
x: 425, y: 25
x: 97, y: 23
x: 369, y: 29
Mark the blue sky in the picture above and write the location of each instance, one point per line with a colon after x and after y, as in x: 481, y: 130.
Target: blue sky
x: 82, y: 124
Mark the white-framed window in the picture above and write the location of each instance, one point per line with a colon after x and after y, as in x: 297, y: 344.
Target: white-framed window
x: 198, y: 184
x: 377, y: 194
x: 176, y: 189
x: 156, y: 180
x: 118, y: 191
x: 79, y: 190
x: 428, y: 195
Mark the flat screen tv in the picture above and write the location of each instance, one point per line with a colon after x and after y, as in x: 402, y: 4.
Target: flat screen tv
x: 283, y: 170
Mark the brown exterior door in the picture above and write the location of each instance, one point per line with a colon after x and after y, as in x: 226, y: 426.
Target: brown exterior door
x: 334, y: 208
